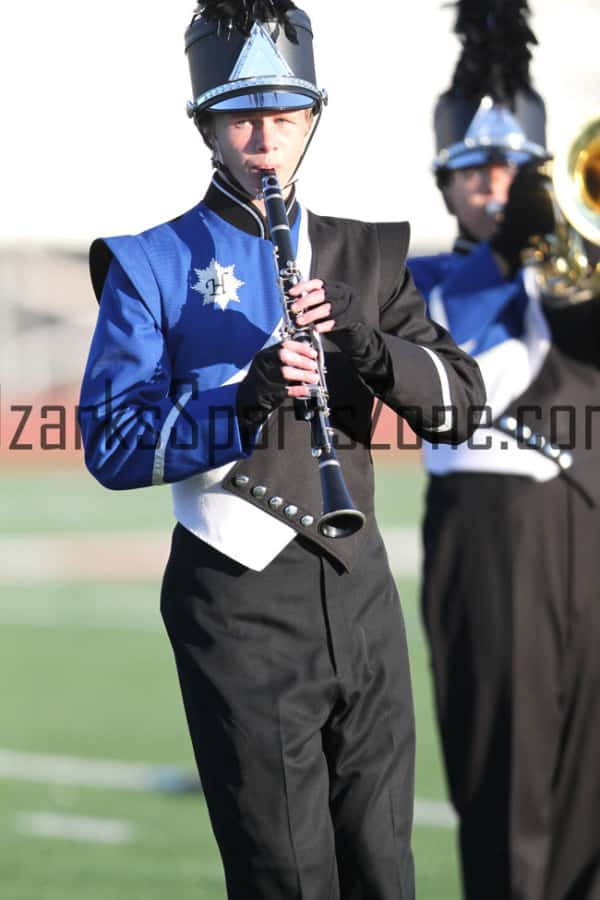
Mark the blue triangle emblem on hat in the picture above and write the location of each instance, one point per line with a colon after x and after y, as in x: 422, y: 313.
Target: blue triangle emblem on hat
x: 260, y: 57
x: 494, y: 125
x: 494, y: 133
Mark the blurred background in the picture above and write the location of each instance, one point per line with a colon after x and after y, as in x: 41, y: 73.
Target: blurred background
x: 96, y: 791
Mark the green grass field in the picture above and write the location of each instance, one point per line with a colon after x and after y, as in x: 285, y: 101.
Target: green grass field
x: 104, y: 688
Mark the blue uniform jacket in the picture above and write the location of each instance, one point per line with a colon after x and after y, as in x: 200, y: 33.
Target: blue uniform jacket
x: 185, y: 308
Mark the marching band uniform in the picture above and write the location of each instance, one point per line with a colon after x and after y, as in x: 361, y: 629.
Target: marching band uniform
x: 289, y: 645
x: 512, y: 555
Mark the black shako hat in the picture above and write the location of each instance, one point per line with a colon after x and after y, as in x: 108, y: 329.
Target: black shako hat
x: 491, y: 111
x: 251, y: 55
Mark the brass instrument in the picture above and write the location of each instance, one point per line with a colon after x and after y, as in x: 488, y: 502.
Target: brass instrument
x: 561, y: 260
x: 577, y: 181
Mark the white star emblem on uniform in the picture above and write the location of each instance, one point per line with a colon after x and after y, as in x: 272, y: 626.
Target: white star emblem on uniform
x: 217, y: 284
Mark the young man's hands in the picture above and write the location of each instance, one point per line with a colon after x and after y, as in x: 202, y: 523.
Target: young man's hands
x: 288, y: 369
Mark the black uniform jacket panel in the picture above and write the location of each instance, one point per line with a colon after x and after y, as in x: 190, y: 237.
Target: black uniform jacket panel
x: 563, y: 402
x: 371, y: 259
x: 575, y: 329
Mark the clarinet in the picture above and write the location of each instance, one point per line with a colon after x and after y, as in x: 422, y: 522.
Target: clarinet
x: 339, y: 518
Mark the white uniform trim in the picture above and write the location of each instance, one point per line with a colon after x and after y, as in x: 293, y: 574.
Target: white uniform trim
x: 446, y: 393
x: 437, y: 310
x: 219, y: 517
x: 507, y: 370
x: 158, y: 468
x: 489, y: 450
x: 247, y: 206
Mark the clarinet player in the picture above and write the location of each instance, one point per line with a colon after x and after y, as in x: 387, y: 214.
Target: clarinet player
x: 289, y: 644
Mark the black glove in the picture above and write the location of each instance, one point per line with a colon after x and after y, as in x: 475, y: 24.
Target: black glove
x: 362, y: 343
x: 262, y: 390
x: 341, y: 298
x: 529, y: 211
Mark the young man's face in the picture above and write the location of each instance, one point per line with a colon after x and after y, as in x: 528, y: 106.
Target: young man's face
x: 470, y: 191
x: 247, y: 143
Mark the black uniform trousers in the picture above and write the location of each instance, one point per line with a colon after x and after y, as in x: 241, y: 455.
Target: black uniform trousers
x: 511, y: 605
x: 297, y: 693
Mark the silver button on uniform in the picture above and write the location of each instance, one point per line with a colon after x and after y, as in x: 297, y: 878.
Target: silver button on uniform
x: 565, y: 460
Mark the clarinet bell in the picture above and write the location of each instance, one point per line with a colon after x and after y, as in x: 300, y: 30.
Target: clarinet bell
x: 340, y: 517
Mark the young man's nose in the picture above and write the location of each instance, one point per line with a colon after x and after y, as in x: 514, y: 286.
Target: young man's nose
x: 264, y: 136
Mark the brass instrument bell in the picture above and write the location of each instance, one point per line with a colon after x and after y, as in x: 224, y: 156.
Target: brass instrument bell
x: 576, y: 177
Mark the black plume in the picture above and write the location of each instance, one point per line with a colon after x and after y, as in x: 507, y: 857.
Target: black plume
x: 495, y: 57
x: 242, y: 14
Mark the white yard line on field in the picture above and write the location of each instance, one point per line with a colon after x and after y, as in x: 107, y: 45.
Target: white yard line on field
x: 87, y: 557
x: 74, y: 828
x: 435, y: 814
x: 73, y: 771
x: 122, y: 610
x: 129, y: 557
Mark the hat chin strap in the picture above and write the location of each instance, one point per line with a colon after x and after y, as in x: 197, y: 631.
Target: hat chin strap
x: 316, y: 120
x: 231, y: 180
x: 220, y: 166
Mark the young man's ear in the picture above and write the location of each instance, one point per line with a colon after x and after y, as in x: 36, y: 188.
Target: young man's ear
x: 310, y: 117
x: 208, y: 137
x: 204, y: 124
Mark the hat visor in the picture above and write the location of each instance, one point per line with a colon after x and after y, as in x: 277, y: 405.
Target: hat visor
x: 497, y: 155
x: 264, y: 101
x: 470, y: 157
